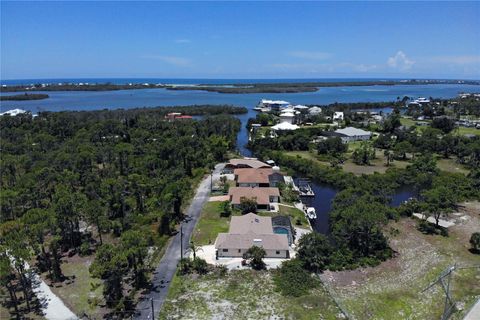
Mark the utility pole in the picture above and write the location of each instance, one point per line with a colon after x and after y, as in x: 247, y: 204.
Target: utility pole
x: 181, y: 242
x: 444, y: 280
x: 211, y: 180
x: 153, y: 310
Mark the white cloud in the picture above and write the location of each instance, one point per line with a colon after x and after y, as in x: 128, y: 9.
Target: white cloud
x: 460, y: 60
x: 310, y: 55
x: 183, y: 41
x: 400, y: 61
x: 173, y: 60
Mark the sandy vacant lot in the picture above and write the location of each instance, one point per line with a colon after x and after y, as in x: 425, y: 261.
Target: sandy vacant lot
x: 393, y: 290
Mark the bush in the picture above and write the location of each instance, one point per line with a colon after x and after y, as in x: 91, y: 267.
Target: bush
x: 256, y: 254
x: 475, y: 242
x: 293, y: 280
x: 314, y: 252
x: 85, y: 249
x: 188, y: 266
x: 200, y: 266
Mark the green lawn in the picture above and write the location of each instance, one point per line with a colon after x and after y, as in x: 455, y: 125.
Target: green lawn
x: 462, y: 131
x: 377, y: 165
x: 450, y: 165
x: 81, y: 291
x: 210, y: 224
x: 241, y: 294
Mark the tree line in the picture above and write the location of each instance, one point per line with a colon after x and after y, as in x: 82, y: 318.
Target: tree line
x: 110, y: 184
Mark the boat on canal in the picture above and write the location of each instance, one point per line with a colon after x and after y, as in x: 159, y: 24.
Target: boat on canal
x: 310, y: 213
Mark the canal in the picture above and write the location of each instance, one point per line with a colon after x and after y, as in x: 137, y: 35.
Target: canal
x: 324, y: 195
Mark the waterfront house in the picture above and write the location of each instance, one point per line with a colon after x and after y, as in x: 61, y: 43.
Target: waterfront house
x: 262, y: 196
x: 252, y: 163
x: 263, y: 177
x: 176, y: 116
x: 248, y: 231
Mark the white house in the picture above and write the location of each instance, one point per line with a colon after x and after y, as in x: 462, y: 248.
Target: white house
x: 349, y: 134
x: 285, y: 126
x: 338, y: 115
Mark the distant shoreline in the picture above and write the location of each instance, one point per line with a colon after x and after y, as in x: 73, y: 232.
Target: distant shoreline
x: 23, y: 97
x: 232, y: 88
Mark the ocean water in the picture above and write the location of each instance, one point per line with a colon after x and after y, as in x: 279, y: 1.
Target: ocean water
x: 95, y: 100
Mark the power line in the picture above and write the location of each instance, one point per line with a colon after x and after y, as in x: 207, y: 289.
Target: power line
x: 444, y: 279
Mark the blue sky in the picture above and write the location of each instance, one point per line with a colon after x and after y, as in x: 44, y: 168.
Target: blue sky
x: 240, y: 39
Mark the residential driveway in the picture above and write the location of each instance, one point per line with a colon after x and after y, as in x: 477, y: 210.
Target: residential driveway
x: 168, y: 265
x: 219, y: 198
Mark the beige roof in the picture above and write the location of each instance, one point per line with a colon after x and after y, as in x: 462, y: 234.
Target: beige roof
x: 247, y: 175
x: 248, y: 240
x: 261, y: 195
x: 252, y: 163
x: 251, y: 223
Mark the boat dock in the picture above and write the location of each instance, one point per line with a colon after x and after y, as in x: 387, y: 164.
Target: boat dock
x: 304, y: 188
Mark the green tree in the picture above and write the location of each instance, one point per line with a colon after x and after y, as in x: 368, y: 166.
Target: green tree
x: 134, y: 244
x: 475, y: 242
x: 437, y: 202
x: 110, y: 265
x: 401, y: 149
x: 226, y: 209
x: 364, y: 154
x: 293, y: 280
x: 256, y: 254
x: 314, y: 252
x: 248, y: 205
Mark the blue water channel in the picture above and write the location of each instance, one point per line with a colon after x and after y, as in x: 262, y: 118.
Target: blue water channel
x: 126, y: 99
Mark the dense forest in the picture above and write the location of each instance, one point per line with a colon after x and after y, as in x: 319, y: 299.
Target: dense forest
x: 110, y: 184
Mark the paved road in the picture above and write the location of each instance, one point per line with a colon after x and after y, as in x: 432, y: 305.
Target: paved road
x: 474, y: 313
x: 168, y: 265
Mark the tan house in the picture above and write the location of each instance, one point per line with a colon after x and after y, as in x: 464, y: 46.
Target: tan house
x: 263, y: 177
x: 244, y: 163
x: 248, y: 231
x: 263, y: 196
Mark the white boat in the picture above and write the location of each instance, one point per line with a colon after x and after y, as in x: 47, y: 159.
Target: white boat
x: 311, y: 214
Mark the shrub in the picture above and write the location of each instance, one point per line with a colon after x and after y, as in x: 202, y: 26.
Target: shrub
x: 256, y: 254
x: 475, y: 242
x: 200, y: 266
x: 293, y: 280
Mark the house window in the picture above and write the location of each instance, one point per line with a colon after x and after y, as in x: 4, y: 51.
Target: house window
x: 277, y: 252
x: 239, y: 250
x: 225, y: 250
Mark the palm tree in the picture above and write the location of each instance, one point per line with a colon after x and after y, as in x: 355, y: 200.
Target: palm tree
x: 194, y: 249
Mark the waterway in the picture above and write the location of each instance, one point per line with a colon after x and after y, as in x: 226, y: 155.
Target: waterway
x: 126, y: 99
x: 95, y: 100
x: 324, y: 195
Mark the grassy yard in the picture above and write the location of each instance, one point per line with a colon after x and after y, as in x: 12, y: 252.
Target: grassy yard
x: 377, y: 165
x: 450, y: 165
x: 210, y: 224
x: 80, y: 291
x: 464, y: 130
x: 241, y: 294
x: 393, y: 290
